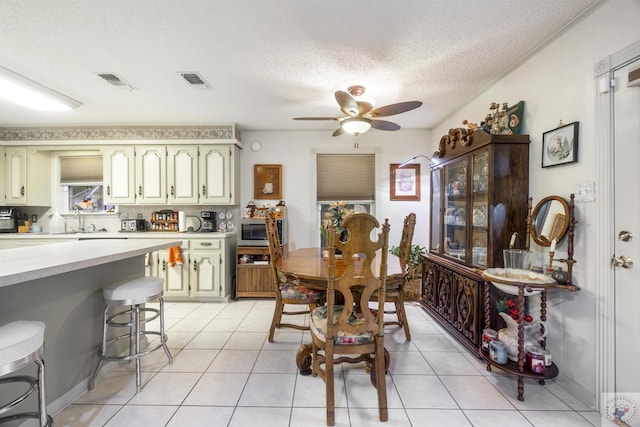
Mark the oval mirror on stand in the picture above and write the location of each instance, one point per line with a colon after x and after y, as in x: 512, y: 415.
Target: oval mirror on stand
x: 554, y: 218
x: 549, y: 220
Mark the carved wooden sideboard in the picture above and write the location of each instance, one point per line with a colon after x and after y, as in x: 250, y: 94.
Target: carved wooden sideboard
x: 479, y: 191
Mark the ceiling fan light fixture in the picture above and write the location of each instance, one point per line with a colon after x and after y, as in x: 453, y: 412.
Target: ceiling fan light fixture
x: 356, y: 125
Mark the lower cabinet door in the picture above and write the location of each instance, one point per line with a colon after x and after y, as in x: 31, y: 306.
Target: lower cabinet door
x: 205, y: 273
x: 176, y: 277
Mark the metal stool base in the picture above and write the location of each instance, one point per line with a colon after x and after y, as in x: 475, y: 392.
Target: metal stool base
x: 134, y: 335
x: 35, y: 384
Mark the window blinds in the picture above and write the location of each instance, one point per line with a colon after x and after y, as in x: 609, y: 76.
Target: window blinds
x: 345, y: 177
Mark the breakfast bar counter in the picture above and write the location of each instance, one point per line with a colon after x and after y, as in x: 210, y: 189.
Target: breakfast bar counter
x: 29, y: 263
x: 61, y: 285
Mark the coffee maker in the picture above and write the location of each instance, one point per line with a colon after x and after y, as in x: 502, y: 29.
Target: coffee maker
x: 208, y: 220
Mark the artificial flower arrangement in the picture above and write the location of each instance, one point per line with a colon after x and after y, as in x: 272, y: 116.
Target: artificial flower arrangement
x: 335, y: 214
x: 510, y: 306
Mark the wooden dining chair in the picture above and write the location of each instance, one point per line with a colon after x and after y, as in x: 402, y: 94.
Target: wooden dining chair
x: 287, y: 288
x: 396, y: 284
x: 344, y: 332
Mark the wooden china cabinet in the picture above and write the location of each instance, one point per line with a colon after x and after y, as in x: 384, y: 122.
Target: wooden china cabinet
x: 479, y: 191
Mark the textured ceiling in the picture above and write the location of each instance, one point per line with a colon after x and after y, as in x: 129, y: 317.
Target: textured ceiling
x: 267, y: 60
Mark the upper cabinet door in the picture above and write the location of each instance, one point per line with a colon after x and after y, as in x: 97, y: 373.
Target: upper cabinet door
x: 215, y: 175
x: 151, y: 175
x: 16, y: 175
x: 182, y: 174
x: 118, y: 175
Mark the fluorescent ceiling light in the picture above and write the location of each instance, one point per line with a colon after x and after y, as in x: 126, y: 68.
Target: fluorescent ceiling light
x: 31, y: 94
x: 356, y: 125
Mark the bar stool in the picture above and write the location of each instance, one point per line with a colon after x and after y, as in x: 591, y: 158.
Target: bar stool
x: 22, y: 343
x: 133, y: 293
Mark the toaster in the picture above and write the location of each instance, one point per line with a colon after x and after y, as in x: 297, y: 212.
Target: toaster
x: 8, y: 221
x: 133, y: 225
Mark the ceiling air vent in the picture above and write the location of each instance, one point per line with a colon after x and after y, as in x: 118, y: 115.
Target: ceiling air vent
x: 194, y: 80
x: 117, y: 81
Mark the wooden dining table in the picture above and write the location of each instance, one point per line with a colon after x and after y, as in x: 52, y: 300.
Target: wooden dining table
x: 310, y: 267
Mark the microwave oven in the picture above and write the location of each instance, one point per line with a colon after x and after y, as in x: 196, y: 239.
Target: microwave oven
x: 253, y: 232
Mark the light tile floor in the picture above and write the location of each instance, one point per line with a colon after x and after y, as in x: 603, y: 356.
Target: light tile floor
x: 226, y: 373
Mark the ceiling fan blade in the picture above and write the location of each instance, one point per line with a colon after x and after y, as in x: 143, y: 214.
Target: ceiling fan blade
x: 391, y: 109
x: 315, y: 118
x: 364, y: 107
x: 347, y: 104
x: 384, y: 125
x: 338, y: 132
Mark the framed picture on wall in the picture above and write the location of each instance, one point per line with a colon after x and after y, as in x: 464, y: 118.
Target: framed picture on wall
x: 267, y: 182
x: 405, y: 181
x: 560, y: 145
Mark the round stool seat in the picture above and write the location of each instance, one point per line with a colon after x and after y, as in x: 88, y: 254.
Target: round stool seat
x: 19, y: 339
x: 133, y: 291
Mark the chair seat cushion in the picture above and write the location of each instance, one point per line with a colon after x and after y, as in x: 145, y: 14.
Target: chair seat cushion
x: 319, y: 326
x: 19, y: 339
x: 295, y: 291
x: 137, y: 290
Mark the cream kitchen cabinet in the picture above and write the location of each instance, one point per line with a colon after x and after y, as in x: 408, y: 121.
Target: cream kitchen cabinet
x: 219, y: 166
x: 182, y: 174
x: 27, y: 177
x: 205, y: 273
x: 118, y: 169
x: 135, y: 175
x: 176, y: 276
x: 151, y: 175
x: 206, y: 268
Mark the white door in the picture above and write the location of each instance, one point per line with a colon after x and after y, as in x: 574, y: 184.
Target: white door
x: 626, y: 105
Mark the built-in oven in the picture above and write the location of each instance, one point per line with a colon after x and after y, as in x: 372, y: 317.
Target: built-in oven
x: 253, y: 232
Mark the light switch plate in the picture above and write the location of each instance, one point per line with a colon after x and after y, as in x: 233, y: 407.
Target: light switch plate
x: 585, y: 192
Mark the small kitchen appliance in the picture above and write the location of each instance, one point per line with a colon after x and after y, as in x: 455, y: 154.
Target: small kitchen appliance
x: 133, y: 225
x: 208, y: 221
x: 8, y: 220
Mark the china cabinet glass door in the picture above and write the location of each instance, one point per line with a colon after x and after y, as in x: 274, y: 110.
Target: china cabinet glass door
x: 436, y: 210
x: 479, y: 204
x: 455, y: 214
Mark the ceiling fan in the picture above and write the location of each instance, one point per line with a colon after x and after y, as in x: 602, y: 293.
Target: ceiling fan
x: 361, y: 116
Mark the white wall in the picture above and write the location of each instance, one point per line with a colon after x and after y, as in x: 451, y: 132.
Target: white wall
x: 558, y: 84
x: 296, y: 152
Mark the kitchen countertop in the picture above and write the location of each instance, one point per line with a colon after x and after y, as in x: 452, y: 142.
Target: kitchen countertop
x: 29, y: 263
x: 121, y: 235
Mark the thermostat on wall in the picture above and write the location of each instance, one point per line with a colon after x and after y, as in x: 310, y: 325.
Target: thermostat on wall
x: 256, y: 146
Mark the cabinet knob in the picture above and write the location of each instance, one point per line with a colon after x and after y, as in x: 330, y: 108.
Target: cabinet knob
x: 172, y: 190
x: 195, y: 265
x: 204, y: 190
x: 164, y: 265
x: 140, y: 190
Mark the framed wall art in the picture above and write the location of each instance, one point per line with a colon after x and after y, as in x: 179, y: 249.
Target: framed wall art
x: 405, y: 181
x: 267, y: 182
x: 560, y: 145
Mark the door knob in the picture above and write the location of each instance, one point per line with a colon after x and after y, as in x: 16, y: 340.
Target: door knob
x: 625, y: 236
x: 623, y: 261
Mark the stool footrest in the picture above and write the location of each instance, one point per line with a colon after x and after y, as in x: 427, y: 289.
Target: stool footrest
x: 155, y: 311
x: 26, y: 416
x: 33, y: 384
x: 163, y: 341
